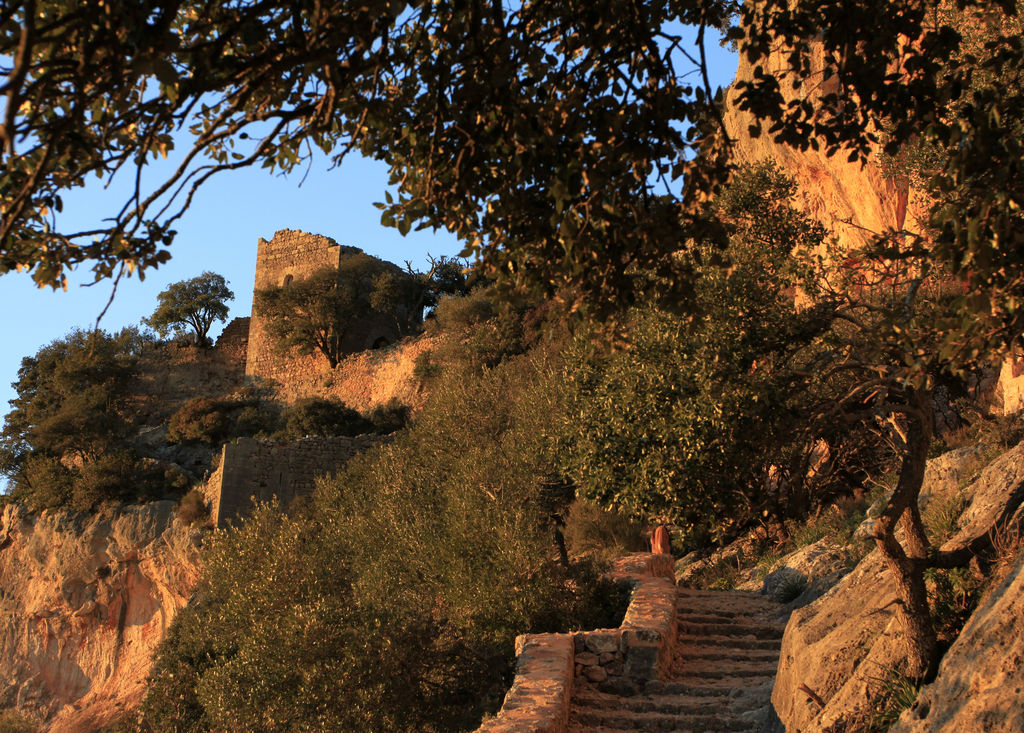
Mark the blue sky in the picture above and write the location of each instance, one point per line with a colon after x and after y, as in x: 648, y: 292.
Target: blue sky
x: 220, y: 233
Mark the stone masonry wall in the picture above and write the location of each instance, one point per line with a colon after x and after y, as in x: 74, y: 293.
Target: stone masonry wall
x: 286, y: 469
x: 294, y: 255
x: 290, y: 254
x: 233, y: 342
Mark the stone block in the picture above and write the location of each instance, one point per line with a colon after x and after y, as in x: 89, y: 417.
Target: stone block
x: 600, y: 642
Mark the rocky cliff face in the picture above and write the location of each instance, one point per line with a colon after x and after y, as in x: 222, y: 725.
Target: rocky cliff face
x: 854, y: 201
x: 83, y: 603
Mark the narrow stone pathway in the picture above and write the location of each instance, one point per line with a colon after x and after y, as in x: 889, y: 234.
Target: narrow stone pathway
x: 726, y: 654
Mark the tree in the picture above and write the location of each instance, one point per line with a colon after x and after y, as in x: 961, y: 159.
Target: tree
x: 944, y: 78
x: 191, y: 304
x: 702, y: 421
x: 65, y: 440
x: 316, y: 313
x: 537, y: 133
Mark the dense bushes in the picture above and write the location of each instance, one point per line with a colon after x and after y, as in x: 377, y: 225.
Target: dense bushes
x: 201, y: 420
x: 316, y: 416
x: 392, y: 603
x: 66, y: 442
x: 686, y: 424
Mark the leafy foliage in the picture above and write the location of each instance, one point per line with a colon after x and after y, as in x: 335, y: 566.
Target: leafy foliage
x: 322, y: 417
x: 191, y: 304
x: 404, y: 583
x: 533, y: 132
x: 685, y: 424
x: 65, y: 442
x: 201, y: 420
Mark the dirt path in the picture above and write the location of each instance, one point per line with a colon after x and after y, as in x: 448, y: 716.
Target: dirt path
x: 726, y: 654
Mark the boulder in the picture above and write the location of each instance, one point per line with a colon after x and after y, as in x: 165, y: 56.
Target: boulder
x: 826, y: 644
x: 837, y: 649
x: 994, y: 499
x: 980, y: 683
x: 814, y: 568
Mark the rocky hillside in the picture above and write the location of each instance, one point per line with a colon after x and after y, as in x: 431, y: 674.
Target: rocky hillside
x: 852, y: 200
x: 84, y: 603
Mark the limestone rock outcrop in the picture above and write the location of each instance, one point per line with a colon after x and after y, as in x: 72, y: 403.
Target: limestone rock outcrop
x: 836, y: 649
x: 84, y: 601
x: 833, y: 645
x: 852, y: 200
x: 980, y: 683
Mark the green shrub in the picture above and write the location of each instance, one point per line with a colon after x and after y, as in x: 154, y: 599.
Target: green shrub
x: 111, y: 476
x: 403, y: 583
x: 389, y: 417
x: 686, y: 423
x: 69, y: 418
x: 316, y: 416
x: 176, y: 479
x: 457, y: 313
x: 790, y: 588
x: 201, y: 420
x: 257, y: 420
x: 192, y: 507
x: 941, y: 516
x: 894, y: 692
x: 604, y: 533
x: 953, y: 595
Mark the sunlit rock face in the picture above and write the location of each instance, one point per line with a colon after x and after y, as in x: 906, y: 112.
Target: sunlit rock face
x: 855, y: 201
x: 84, y: 601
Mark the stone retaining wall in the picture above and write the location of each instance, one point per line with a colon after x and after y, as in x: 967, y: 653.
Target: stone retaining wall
x: 262, y: 469
x: 638, y: 651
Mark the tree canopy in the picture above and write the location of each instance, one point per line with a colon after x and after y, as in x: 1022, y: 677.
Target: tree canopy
x: 534, y: 132
x: 193, y: 304
x: 64, y: 442
x: 315, y: 314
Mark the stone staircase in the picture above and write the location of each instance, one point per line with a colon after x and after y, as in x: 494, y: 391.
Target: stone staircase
x: 723, y: 666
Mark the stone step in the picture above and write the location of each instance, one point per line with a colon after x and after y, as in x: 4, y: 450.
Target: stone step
x: 688, y: 651
x: 619, y: 721
x: 666, y: 704
x: 726, y: 687
x: 758, y: 631
x: 705, y: 667
x: 729, y: 643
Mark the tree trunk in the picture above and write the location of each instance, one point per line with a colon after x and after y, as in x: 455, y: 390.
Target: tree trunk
x: 909, y: 560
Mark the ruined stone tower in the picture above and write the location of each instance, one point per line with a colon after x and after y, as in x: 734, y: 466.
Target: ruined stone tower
x: 294, y: 255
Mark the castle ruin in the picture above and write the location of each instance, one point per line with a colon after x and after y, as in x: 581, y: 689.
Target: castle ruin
x: 292, y: 255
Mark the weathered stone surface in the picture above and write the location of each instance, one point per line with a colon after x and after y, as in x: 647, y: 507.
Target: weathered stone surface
x: 601, y: 642
x: 994, y: 498
x: 84, y: 601
x: 826, y: 642
x: 815, y: 567
x: 980, y: 684
x: 943, y: 475
x: 538, y: 701
x: 840, y: 644
x: 587, y: 659
x: 852, y: 200
x: 265, y: 469
x: 546, y: 664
